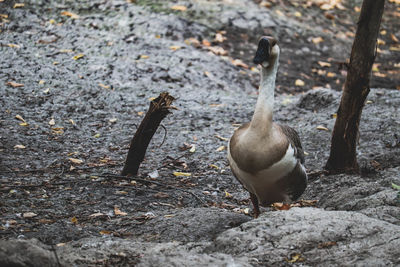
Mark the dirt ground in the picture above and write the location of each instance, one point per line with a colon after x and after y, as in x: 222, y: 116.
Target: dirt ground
x: 75, y: 86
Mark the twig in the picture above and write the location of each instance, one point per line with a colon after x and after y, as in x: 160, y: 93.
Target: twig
x: 55, y: 254
x: 165, y: 135
x: 109, y: 175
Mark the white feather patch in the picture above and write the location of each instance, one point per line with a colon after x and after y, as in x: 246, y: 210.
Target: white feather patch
x: 265, y: 179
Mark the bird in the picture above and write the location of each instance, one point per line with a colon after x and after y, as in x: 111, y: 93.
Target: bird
x: 266, y: 157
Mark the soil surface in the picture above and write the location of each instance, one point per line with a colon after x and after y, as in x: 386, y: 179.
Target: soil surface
x: 76, y: 79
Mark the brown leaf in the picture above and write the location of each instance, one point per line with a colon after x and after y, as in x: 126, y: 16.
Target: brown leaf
x: 104, y: 86
x: 320, y: 127
x: 327, y: 244
x: 117, y: 211
x: 221, y: 148
x: 219, y: 38
x: 205, y: 42
x: 296, y: 257
x: 179, y: 8
x: 281, y: 206
x: 105, y: 232
x: 218, y: 50
x: 70, y: 14
x: 394, y: 38
x: 239, y: 63
x: 19, y: 5
x: 161, y: 195
x: 13, y: 46
x: 14, y: 84
x: 74, y: 220
x: 299, y: 82
x: 317, y: 40
x: 29, y: 215
x: 76, y: 161
x: 324, y: 64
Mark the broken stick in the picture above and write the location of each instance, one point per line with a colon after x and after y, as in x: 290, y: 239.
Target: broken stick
x: 158, y: 110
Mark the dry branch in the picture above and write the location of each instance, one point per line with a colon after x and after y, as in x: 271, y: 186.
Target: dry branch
x: 158, y: 110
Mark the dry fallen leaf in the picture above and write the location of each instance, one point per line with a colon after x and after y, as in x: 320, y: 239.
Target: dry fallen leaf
x: 295, y: 258
x: 79, y: 56
x: 327, y: 244
x: 320, y: 127
x: 29, y: 215
x: 178, y: 174
x: 76, y: 161
x: 330, y: 74
x: 19, y: 5
x: 161, y: 195
x: 193, y: 41
x: 219, y: 38
x: 175, y: 47
x: 70, y: 14
x: 117, y: 211
x: 299, y: 82
x: 19, y: 146
x: 222, y: 138
x: 105, y: 232
x: 239, y: 63
x: 281, y: 206
x: 218, y: 50
x: 317, y: 40
x: 324, y: 64
x: 144, y: 56
x: 214, y: 166
x: 13, y: 46
x: 14, y: 84
x: 381, y: 42
x: 179, y: 8
x: 221, y: 148
x: 394, y: 38
x: 104, y: 86
x: 205, y: 42
x: 97, y: 214
x: 227, y: 195
x: 19, y: 117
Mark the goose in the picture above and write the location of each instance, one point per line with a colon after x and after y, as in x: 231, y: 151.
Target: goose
x: 267, y: 158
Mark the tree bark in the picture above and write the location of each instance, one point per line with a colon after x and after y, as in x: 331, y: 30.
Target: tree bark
x: 345, y: 133
x: 158, y: 110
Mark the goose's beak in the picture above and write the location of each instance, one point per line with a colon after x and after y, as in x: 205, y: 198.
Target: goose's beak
x: 264, y: 49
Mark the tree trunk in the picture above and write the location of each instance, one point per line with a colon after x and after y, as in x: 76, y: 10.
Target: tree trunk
x: 345, y: 133
x: 158, y: 110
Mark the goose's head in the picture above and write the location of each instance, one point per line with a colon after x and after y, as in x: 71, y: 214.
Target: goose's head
x: 267, y: 51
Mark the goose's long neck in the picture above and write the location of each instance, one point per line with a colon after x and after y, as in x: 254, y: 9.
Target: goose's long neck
x: 262, y: 118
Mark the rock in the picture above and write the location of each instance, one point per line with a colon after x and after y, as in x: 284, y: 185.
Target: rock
x: 307, y: 236
x: 323, y: 238
x: 20, y: 253
x: 190, y: 224
x: 318, y: 99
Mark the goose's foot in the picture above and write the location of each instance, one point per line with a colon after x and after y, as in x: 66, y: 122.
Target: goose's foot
x: 256, y: 209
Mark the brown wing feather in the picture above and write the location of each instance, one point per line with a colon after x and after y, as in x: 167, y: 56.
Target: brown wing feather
x: 294, y: 138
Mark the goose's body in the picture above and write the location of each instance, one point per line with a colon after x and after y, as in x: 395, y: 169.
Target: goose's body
x: 267, y: 158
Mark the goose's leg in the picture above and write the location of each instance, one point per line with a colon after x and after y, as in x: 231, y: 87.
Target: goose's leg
x: 256, y: 209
